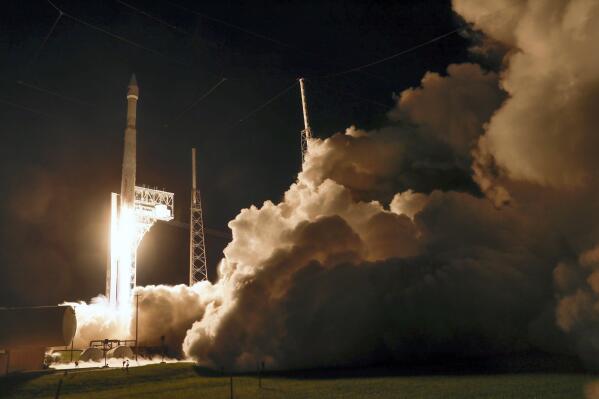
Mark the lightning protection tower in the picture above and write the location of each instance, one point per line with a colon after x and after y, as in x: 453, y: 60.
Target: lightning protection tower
x: 306, y: 134
x: 198, y: 270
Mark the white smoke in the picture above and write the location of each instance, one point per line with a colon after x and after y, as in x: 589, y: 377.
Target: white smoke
x: 545, y: 134
x: 385, y: 249
x: 114, y: 363
x: 157, y: 311
x: 98, y: 320
x: 545, y: 130
x: 452, y: 108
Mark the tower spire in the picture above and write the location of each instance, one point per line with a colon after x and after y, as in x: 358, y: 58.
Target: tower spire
x: 306, y: 134
x: 198, y: 267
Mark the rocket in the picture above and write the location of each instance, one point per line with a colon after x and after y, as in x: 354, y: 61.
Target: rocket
x: 128, y: 224
x: 120, y: 268
x: 129, y: 152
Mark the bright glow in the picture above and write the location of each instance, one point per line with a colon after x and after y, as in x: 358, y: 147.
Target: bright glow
x: 114, y: 226
x: 161, y: 211
x: 128, y: 225
x: 117, y: 363
x: 126, y: 248
x: 127, y: 230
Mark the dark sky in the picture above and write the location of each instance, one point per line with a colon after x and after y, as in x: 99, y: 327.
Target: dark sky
x: 62, y: 113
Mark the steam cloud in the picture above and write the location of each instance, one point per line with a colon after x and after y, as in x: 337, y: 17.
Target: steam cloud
x: 385, y: 248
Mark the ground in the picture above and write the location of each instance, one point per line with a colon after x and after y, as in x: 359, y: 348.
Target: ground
x: 184, y: 380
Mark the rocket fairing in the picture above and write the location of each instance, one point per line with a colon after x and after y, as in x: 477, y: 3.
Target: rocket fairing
x: 129, y: 152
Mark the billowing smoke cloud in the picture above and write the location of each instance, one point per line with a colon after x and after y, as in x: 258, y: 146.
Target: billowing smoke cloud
x: 545, y: 132
x: 164, y: 311
x: 386, y: 249
x: 322, y: 279
x: 97, y: 320
x: 344, y: 286
x: 170, y: 311
x: 426, y: 146
x: 452, y: 108
x: 577, y: 285
x: 350, y: 267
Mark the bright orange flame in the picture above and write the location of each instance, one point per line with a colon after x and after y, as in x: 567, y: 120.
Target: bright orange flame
x: 124, y: 241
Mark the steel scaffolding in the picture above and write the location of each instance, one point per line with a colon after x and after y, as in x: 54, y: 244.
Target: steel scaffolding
x: 198, y: 268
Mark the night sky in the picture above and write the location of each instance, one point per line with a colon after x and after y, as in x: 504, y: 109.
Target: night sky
x: 62, y: 107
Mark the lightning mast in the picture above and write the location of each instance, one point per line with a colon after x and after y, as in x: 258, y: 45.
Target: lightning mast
x: 306, y: 134
x: 198, y: 270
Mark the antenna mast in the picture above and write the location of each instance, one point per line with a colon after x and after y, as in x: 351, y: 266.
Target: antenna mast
x: 306, y: 134
x: 198, y: 270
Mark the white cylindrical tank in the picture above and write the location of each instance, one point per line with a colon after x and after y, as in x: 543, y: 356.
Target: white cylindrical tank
x: 42, y: 326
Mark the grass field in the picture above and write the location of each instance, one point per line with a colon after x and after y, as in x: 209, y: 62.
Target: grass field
x: 184, y: 380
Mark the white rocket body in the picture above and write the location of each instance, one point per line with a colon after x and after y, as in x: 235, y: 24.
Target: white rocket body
x: 129, y: 152
x: 120, y: 274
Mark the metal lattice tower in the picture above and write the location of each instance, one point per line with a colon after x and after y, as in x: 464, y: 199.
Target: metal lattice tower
x: 198, y: 268
x: 306, y: 134
x: 151, y: 205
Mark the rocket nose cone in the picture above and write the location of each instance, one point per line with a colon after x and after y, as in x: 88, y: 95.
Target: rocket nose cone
x: 133, y: 81
x: 133, y: 89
